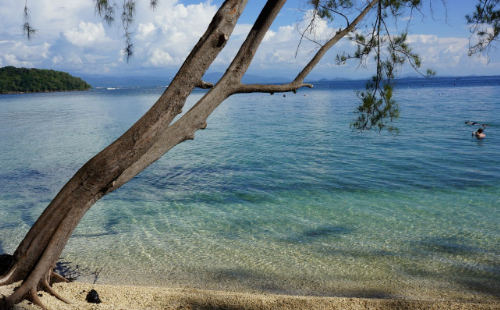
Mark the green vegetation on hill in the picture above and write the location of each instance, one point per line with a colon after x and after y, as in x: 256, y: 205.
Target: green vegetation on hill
x: 17, y: 80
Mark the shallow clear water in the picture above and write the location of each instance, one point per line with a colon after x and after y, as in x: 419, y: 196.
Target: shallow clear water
x: 277, y: 194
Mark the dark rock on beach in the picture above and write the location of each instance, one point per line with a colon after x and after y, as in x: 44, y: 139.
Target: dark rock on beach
x: 93, y: 297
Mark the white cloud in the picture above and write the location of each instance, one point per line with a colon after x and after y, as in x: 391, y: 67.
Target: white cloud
x: 181, y: 27
x: 145, y: 30
x: 73, y: 59
x: 440, y: 53
x: 423, y: 39
x: 49, y: 17
x: 20, y: 54
x: 11, y: 60
x: 241, y: 30
x: 314, y: 28
x: 57, y: 59
x: 269, y: 35
x: 159, y: 58
x: 286, y: 33
x: 87, y: 35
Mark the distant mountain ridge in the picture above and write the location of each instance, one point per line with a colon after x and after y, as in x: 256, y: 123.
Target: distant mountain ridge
x: 333, y: 80
x: 214, y: 77
x: 146, y: 81
x: 135, y: 81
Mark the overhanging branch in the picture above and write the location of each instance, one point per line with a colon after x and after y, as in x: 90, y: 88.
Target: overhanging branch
x: 265, y: 88
x: 339, y: 35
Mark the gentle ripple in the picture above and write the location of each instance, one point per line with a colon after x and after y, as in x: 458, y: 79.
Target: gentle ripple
x: 277, y: 194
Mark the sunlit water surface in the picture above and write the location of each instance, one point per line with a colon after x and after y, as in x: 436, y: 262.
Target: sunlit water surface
x: 277, y: 194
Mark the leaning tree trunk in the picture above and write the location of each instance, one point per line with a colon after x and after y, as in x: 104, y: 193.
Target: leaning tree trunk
x: 145, y: 142
x: 41, y: 248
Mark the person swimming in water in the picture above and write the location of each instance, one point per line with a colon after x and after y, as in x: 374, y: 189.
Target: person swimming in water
x: 470, y: 123
x: 479, y: 133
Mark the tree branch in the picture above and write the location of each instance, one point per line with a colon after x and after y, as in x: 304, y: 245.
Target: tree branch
x: 265, y: 88
x: 196, y: 117
x: 204, y: 85
x: 303, y: 34
x: 322, y: 51
x: 337, y: 12
x: 29, y: 31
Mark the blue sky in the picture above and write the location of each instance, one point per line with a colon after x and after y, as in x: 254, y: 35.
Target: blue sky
x: 71, y: 38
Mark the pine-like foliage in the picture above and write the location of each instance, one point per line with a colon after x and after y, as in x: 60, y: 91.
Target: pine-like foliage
x: 484, y: 25
x: 376, y: 44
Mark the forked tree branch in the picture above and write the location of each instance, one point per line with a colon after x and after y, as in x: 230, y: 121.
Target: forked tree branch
x: 196, y: 118
x: 339, y: 35
x: 298, y: 82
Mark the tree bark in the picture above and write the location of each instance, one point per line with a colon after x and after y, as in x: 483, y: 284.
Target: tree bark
x: 41, y: 248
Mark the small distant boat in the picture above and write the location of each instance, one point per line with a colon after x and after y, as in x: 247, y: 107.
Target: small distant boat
x: 110, y: 88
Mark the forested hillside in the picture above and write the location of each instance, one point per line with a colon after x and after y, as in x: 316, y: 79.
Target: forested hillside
x: 17, y: 80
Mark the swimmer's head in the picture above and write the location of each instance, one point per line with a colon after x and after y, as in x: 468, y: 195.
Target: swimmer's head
x: 480, y: 130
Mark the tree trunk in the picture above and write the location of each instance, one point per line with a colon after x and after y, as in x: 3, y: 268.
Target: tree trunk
x: 42, y: 246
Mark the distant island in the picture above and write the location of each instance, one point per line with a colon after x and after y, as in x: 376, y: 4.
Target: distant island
x: 21, y: 80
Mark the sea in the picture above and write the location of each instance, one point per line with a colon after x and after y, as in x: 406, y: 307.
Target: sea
x: 278, y: 194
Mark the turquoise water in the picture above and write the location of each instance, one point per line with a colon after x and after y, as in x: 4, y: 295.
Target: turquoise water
x: 277, y: 194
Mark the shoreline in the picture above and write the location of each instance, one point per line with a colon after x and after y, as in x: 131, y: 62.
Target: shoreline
x: 149, y: 297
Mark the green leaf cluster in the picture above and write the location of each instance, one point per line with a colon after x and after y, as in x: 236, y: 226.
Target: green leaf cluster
x: 329, y: 8
x: 487, y: 14
x: 389, y: 53
x: 16, y: 80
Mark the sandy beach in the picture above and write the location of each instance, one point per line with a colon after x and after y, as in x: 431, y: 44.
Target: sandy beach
x: 142, y: 297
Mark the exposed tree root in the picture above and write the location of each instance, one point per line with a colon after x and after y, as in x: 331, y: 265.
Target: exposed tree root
x: 30, y: 294
x: 33, y: 297
x: 57, y: 278
x: 46, y: 287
